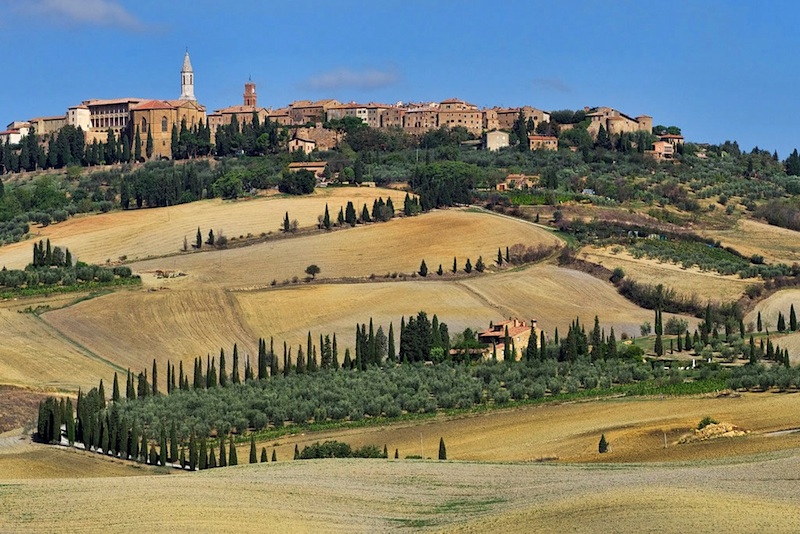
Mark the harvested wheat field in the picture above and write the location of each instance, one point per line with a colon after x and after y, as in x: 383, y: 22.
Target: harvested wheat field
x: 380, y: 495
x: 159, y: 231
x: 35, y: 354
x: 708, y: 285
x: 570, y: 432
x: 780, y: 301
x: 28, y: 461
x: 131, y: 328
x: 397, y: 246
x: 776, y: 244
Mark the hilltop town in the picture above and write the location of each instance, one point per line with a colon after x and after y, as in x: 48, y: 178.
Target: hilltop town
x: 149, y: 127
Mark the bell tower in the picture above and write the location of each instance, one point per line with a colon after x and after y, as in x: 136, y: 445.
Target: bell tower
x: 250, y: 96
x: 187, y: 79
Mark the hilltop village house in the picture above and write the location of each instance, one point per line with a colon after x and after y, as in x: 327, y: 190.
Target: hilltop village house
x: 518, y: 335
x: 156, y: 117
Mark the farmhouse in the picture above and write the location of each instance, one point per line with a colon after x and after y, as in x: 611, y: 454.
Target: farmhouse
x: 515, y: 182
x: 317, y: 167
x: 518, y: 334
x: 543, y: 142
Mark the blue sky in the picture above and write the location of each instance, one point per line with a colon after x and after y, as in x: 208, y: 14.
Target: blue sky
x: 718, y: 69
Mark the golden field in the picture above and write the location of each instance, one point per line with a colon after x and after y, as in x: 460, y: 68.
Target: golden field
x: 707, y: 285
x: 493, y: 479
x: 639, y: 481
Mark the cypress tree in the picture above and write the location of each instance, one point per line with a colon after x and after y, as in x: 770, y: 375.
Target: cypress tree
x: 499, y: 257
x: 203, y: 461
x: 153, y: 457
x: 235, y: 370
x: 455, y: 265
x: 334, y: 353
x: 223, y: 372
x: 162, y: 448
x: 264, y: 457
x: 442, y: 450
x: 326, y: 219
x: 296, y: 452
x: 759, y: 326
x: 212, y: 459
x: 423, y: 269
x: 274, y: 456
x: 532, y: 350
x: 253, y: 457
x: 192, y: 452
x: 155, y: 378
x: 143, y: 447
x: 602, y: 447
x: 183, y: 458
x: 542, y: 346
x: 792, y: 319
x: 396, y: 454
x: 173, y: 442
x: 781, y: 322
x: 134, y: 447
x: 115, y: 391
x: 223, y: 460
x: 391, y: 352
x: 232, y: 458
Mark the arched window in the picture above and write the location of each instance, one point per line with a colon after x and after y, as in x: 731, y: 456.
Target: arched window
x: 144, y: 125
x: 163, y: 124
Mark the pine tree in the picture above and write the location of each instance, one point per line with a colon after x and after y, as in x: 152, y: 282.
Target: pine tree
x: 264, y: 457
x: 253, y: 457
x: 603, y: 445
x: 232, y: 459
x: 442, y: 450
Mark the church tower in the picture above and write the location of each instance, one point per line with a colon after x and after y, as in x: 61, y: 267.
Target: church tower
x: 187, y: 79
x: 250, y: 94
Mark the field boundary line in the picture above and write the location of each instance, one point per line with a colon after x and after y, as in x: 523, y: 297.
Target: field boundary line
x: 81, y: 348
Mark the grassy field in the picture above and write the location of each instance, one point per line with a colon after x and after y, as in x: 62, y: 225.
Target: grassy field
x: 34, y: 354
x: 570, y: 432
x: 381, y: 495
x: 182, y: 323
x: 708, y: 286
x: 155, y: 232
x: 397, y: 246
x: 751, y: 237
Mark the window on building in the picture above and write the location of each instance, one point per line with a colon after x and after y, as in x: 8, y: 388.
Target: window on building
x: 144, y: 125
x: 164, y: 124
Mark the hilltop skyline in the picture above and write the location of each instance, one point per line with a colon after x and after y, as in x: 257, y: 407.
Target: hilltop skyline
x: 718, y: 70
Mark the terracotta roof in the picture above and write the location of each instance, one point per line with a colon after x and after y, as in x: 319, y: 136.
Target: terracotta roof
x: 543, y: 137
x: 239, y: 109
x: 52, y: 118
x: 153, y: 104
x: 307, y: 164
x: 99, y: 102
